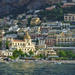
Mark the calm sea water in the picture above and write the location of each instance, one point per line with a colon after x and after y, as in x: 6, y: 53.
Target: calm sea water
x: 36, y: 69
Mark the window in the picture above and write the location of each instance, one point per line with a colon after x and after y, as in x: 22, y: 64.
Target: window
x: 18, y: 43
x: 65, y: 18
x: 73, y: 18
x: 69, y: 18
x: 13, y: 43
x: 23, y: 44
x: 28, y: 43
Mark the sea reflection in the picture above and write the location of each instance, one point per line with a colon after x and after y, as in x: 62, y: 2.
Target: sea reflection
x: 36, y: 69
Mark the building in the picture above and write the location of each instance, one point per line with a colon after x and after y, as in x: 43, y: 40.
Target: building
x: 50, y: 40
x: 14, y: 28
x: 66, y: 5
x: 47, y: 52
x: 50, y: 8
x: 54, y: 1
x: 5, y: 53
x: 45, y: 29
x: 41, y: 43
x: 1, y: 34
x: 35, y: 29
x: 65, y: 39
x: 25, y: 45
x: 69, y: 17
x: 55, y: 25
x: 35, y: 21
x: 73, y: 0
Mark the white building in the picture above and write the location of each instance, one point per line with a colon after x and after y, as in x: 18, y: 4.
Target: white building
x: 25, y: 45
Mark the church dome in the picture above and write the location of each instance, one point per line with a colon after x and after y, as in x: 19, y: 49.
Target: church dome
x: 27, y: 36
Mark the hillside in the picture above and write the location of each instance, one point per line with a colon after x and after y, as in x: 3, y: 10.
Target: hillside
x: 18, y: 6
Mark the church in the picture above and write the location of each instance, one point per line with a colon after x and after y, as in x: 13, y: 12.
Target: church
x: 25, y: 45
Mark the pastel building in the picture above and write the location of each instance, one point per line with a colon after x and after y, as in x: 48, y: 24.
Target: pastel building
x: 47, y: 52
x: 5, y: 53
x: 69, y: 17
x: 66, y: 38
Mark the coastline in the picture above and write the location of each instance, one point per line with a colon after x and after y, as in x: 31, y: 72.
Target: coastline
x: 42, y: 61
x: 59, y: 61
x: 65, y: 61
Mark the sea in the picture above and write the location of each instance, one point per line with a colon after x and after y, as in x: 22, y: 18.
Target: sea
x: 36, y: 68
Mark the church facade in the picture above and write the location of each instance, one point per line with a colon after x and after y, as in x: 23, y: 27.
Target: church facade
x: 25, y: 45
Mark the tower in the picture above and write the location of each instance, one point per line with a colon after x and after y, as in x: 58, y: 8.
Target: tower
x: 27, y: 38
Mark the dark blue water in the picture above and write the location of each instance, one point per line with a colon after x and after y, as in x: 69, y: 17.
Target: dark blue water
x: 36, y: 69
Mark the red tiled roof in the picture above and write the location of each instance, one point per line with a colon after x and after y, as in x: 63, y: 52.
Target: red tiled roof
x: 68, y: 5
x: 18, y: 40
x: 50, y: 8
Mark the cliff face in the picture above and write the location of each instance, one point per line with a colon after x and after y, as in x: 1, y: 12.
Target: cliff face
x: 7, y: 6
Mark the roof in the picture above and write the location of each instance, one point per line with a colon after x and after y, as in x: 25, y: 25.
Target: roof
x: 50, y: 8
x: 69, y: 14
x: 18, y: 40
x: 27, y: 36
x: 68, y: 5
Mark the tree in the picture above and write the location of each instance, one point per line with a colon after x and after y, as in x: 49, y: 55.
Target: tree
x: 29, y: 20
x: 31, y: 53
x: 69, y: 54
x: 20, y: 52
x: 66, y: 54
x: 17, y: 53
x: 7, y: 44
x: 62, y: 53
x: 73, y: 56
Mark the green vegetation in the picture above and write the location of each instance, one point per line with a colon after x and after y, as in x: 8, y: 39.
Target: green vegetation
x: 63, y: 55
x: 56, y: 14
x: 16, y: 54
x: 65, y: 45
x: 66, y: 55
x: 62, y: 58
x: 29, y: 20
x: 7, y: 44
x: 20, y: 54
x: 31, y: 53
x: 41, y: 56
x: 69, y: 9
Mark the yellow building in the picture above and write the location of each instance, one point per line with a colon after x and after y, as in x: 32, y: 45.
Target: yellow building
x: 25, y: 45
x: 65, y: 38
x: 35, y: 21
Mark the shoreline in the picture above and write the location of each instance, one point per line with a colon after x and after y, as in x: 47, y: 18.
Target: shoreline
x: 59, y: 61
x: 42, y: 61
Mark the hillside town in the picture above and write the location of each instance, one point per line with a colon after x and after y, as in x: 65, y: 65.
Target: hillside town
x: 47, y: 33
